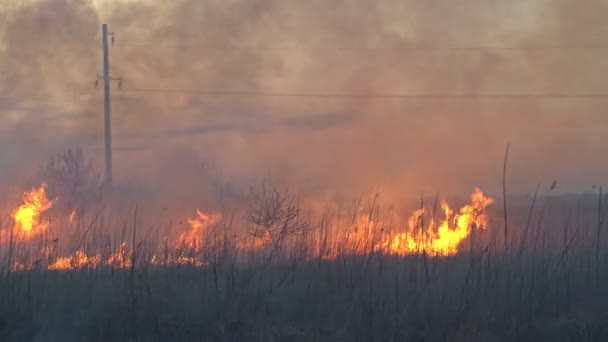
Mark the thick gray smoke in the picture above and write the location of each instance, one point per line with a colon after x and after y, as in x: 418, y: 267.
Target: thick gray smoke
x: 181, y: 143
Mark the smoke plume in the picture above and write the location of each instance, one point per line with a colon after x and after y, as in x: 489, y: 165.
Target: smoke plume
x: 218, y: 94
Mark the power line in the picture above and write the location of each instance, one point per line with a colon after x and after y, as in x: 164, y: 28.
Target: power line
x: 35, y: 109
x: 49, y: 114
x: 366, y: 96
x: 412, y: 47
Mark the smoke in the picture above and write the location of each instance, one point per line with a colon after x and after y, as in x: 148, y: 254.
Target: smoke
x: 187, y: 143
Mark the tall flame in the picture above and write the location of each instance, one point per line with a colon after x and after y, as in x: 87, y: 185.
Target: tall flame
x: 441, y: 239
x: 27, y: 215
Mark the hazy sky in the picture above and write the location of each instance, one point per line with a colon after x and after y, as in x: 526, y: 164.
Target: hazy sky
x: 50, y: 55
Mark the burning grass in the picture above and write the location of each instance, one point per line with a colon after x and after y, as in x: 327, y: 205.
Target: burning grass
x: 365, y: 235
x: 445, y: 237
x: 434, y: 275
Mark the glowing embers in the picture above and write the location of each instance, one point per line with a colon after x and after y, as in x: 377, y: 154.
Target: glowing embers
x: 170, y: 260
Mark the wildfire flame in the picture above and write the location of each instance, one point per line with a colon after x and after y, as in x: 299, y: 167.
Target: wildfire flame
x: 193, y: 238
x: 444, y: 238
x: 27, y: 215
x: 120, y: 259
x: 77, y: 261
x: 259, y: 241
x: 362, y: 235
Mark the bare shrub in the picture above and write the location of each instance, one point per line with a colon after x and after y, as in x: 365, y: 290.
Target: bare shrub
x: 275, y: 214
x: 72, y: 178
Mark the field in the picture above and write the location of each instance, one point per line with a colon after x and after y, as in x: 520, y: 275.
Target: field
x: 310, y: 277
x: 303, y: 171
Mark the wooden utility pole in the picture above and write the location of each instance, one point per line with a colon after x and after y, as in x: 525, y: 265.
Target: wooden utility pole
x: 107, y: 117
x: 107, y: 106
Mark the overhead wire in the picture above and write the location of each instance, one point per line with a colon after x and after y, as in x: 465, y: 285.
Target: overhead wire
x: 365, y: 96
x: 403, y: 47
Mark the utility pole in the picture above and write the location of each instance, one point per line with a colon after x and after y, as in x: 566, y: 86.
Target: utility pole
x: 107, y: 118
x: 106, y: 106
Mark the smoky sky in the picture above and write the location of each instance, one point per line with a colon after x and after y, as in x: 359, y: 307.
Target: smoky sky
x: 225, y: 91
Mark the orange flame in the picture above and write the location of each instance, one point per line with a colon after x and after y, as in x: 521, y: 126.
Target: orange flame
x: 120, y: 259
x: 258, y: 242
x: 445, y: 238
x: 77, y: 261
x: 364, y: 234
x: 193, y: 238
x: 27, y: 215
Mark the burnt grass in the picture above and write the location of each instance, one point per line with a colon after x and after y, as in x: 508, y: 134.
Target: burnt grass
x: 471, y: 297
